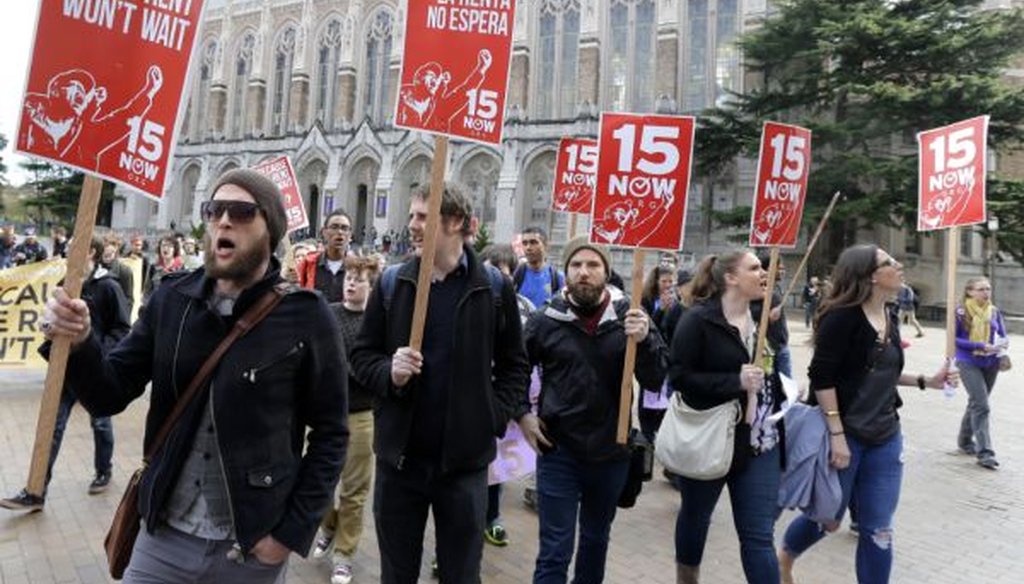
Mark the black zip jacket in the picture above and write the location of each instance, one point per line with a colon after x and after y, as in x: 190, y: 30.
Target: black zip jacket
x: 581, y: 375
x: 704, y: 366
x: 108, y: 315
x: 489, y: 375
x: 286, y: 375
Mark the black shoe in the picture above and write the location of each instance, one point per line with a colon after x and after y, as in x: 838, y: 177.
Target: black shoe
x: 990, y: 463
x: 100, y: 483
x: 969, y: 450
x: 23, y: 501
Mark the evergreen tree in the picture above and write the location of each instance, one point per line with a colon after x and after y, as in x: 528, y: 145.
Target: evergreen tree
x: 57, y: 191
x: 866, y: 76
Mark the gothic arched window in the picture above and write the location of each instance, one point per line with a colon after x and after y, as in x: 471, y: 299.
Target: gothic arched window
x: 327, y: 56
x: 376, y: 68
x: 284, y: 53
x: 630, y: 65
x: 240, y: 82
x: 557, y: 56
x: 711, y: 59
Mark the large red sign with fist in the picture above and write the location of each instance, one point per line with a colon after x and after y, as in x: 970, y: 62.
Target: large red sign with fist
x: 951, y: 174
x: 782, y: 170
x: 643, y: 177
x: 105, y: 86
x: 455, y: 68
x: 575, y: 175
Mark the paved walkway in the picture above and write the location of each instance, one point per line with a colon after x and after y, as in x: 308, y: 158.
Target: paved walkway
x: 957, y: 523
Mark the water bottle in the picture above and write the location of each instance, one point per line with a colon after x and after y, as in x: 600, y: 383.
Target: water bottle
x: 948, y: 389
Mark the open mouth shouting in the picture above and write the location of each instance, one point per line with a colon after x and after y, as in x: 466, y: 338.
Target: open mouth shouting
x: 223, y: 247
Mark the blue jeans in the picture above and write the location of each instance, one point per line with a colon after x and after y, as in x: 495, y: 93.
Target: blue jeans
x: 873, y: 479
x: 754, y: 493
x: 567, y: 487
x: 102, y: 436
x: 784, y: 361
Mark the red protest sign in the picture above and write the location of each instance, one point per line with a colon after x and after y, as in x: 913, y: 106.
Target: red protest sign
x: 782, y: 170
x: 455, y: 68
x: 951, y: 174
x: 643, y: 176
x: 280, y: 171
x: 105, y: 86
x: 575, y: 175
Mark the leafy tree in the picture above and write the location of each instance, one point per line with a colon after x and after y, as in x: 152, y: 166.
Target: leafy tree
x: 483, y: 238
x: 57, y: 191
x: 866, y: 76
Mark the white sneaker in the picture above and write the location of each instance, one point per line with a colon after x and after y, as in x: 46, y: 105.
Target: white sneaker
x: 342, y: 572
x: 323, y: 543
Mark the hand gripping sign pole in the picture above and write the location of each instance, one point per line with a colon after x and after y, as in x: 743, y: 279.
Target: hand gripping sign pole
x: 419, y: 313
x: 626, y: 389
x: 643, y: 176
x: 78, y: 253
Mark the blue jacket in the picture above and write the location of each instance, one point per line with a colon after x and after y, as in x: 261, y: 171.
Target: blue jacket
x: 809, y: 482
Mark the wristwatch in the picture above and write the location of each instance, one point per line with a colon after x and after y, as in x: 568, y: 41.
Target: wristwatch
x: 920, y: 382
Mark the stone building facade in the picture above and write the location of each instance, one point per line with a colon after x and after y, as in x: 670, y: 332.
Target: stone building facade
x: 317, y: 80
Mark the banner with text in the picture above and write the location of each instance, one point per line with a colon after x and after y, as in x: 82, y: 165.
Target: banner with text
x: 575, y: 175
x: 951, y: 174
x: 455, y: 67
x: 280, y: 171
x: 781, y: 190
x: 105, y: 86
x: 643, y: 177
x: 23, y: 294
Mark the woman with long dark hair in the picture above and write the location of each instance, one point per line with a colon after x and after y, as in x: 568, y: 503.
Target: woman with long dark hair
x: 661, y: 303
x: 854, y: 374
x: 709, y: 365
x: 980, y: 343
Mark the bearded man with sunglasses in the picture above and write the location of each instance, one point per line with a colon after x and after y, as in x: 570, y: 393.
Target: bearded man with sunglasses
x: 230, y: 494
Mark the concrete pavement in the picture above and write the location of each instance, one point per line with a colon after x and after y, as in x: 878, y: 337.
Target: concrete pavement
x: 957, y: 523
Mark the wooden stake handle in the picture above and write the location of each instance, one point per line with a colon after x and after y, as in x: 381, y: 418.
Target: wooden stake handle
x: 78, y: 253
x: 810, y: 246
x: 572, y: 225
x: 952, y: 254
x: 419, y: 314
x: 626, y: 389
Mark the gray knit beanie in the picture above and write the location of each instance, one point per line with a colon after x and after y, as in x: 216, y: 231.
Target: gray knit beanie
x: 575, y: 245
x: 266, y: 194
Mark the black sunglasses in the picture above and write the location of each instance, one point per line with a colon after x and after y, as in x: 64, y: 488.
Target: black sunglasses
x: 238, y: 211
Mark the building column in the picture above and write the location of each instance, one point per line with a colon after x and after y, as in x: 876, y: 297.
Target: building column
x: 589, y: 72
x: 216, y: 113
x: 505, y: 194
x: 344, y: 106
x: 256, y: 99
x: 298, y: 103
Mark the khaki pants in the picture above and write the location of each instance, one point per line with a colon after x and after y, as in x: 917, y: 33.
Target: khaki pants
x: 347, y: 519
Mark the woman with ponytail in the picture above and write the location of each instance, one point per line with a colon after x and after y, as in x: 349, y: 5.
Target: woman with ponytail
x: 981, y: 344
x: 854, y: 374
x: 709, y: 365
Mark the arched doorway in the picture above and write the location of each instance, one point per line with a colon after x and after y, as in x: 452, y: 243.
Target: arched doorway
x: 187, y: 196
x: 359, y: 200
x: 311, y: 184
x: 480, y: 175
x: 414, y: 173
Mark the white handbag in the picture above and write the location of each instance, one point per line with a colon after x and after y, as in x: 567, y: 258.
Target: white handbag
x: 697, y: 444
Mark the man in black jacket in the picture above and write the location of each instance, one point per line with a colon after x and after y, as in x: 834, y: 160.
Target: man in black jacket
x: 579, y: 342
x: 230, y: 494
x: 108, y: 310
x: 438, y: 410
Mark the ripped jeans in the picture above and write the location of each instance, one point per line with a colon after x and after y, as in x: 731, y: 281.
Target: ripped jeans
x: 873, y: 478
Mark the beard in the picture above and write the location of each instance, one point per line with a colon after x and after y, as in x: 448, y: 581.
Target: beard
x: 585, y: 295
x: 243, y: 266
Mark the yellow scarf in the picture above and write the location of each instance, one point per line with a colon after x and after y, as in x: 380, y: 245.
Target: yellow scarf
x: 981, y: 320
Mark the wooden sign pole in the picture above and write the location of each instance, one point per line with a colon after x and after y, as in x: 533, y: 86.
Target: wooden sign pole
x: 762, y: 328
x: 75, y: 275
x: 437, y: 168
x: 626, y: 393
x: 573, y: 217
x: 810, y: 246
x: 952, y: 253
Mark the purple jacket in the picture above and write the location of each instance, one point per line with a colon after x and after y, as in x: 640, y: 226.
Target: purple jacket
x: 965, y: 347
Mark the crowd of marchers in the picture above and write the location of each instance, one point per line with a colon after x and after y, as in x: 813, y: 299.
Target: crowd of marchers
x: 325, y: 399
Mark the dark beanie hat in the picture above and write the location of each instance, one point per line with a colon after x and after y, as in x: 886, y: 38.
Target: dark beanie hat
x: 575, y: 245
x: 266, y: 194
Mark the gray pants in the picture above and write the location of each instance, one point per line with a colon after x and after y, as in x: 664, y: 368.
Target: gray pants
x: 170, y: 556
x: 974, y: 427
